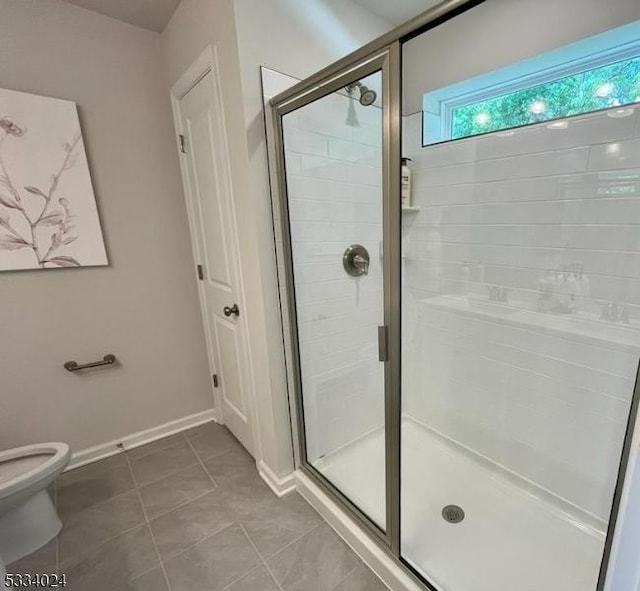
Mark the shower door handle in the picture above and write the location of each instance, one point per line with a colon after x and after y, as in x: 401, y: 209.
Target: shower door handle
x: 383, y: 349
x: 233, y: 310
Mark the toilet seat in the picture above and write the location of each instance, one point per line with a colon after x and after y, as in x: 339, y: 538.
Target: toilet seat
x: 21, y: 472
x: 10, y: 469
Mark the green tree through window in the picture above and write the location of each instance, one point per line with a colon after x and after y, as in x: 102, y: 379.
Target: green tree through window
x: 615, y: 84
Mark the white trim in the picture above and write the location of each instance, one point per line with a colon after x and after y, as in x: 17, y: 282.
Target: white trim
x: 361, y: 543
x: 207, y: 62
x: 250, y: 379
x: 274, y: 183
x: 202, y: 65
x: 280, y: 486
x: 110, y: 448
x: 197, y: 70
x: 599, y: 50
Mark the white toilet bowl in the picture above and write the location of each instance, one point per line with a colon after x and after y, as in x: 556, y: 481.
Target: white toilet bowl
x: 28, y: 519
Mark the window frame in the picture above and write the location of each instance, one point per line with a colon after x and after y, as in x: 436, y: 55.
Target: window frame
x: 610, y: 47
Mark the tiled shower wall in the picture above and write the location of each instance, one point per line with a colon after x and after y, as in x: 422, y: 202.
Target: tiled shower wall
x: 552, y: 215
x: 334, y: 175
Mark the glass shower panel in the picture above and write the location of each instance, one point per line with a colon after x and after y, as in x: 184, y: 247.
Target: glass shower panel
x: 520, y: 301
x: 333, y: 159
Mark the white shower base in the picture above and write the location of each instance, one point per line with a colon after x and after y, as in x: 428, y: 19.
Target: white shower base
x: 511, y: 538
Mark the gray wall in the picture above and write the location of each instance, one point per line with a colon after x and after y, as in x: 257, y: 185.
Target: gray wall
x: 484, y: 39
x: 144, y: 306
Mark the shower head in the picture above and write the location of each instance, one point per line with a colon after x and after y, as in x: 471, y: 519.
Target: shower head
x: 367, y: 96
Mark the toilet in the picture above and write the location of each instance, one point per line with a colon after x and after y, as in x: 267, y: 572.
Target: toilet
x: 28, y: 519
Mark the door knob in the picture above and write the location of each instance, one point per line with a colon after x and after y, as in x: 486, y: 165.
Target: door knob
x: 233, y: 310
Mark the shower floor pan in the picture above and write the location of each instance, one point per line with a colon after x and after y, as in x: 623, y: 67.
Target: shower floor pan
x: 509, y: 538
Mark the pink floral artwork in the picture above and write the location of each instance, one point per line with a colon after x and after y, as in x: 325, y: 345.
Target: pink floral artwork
x: 48, y: 213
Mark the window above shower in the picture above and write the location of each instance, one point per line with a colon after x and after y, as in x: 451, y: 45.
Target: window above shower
x: 596, y: 73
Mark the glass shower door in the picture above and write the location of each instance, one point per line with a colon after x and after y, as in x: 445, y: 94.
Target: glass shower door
x: 334, y: 208
x: 520, y: 296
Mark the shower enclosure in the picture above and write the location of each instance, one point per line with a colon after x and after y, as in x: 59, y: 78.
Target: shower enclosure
x: 463, y: 365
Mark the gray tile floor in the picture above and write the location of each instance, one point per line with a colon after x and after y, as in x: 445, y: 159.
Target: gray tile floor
x: 190, y: 513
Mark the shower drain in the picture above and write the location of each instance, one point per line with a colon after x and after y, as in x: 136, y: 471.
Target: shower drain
x: 453, y: 514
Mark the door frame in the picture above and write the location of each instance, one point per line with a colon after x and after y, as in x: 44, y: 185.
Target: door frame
x: 386, y: 60
x: 207, y: 62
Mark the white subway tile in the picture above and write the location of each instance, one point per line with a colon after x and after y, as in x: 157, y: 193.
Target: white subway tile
x: 324, y: 168
x: 301, y: 141
x: 311, y: 210
x: 324, y: 116
x: 293, y: 163
x: 351, y: 151
x: 346, y: 232
x: 550, y: 406
x: 352, y: 288
x: 615, y: 155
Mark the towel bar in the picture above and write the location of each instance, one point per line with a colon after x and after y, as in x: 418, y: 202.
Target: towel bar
x: 74, y: 366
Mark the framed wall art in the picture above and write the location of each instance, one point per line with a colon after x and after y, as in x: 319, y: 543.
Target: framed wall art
x: 48, y: 213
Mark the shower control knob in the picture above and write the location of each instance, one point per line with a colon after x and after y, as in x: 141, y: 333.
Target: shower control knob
x: 356, y: 260
x: 233, y: 310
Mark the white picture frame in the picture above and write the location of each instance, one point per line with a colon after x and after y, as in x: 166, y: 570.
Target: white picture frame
x: 48, y: 213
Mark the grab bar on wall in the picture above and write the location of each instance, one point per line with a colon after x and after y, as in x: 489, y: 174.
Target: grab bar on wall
x: 108, y: 359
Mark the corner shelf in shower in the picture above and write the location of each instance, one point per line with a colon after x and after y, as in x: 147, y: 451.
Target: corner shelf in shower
x: 411, y: 208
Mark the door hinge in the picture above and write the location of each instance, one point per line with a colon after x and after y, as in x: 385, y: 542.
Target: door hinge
x: 183, y: 145
x: 383, y: 349
x: 215, y: 380
x: 200, y: 272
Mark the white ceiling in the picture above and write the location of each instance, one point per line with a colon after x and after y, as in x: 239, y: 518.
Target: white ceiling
x: 155, y: 14
x: 148, y: 14
x: 398, y: 11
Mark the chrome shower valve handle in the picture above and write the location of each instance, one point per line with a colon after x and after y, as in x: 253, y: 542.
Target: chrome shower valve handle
x: 356, y: 260
x: 361, y: 263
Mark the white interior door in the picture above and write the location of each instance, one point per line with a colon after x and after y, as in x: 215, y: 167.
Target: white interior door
x: 212, y: 220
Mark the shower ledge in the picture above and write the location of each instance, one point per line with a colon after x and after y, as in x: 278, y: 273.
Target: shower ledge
x: 579, y: 324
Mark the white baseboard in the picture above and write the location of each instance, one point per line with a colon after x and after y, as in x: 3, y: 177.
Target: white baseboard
x: 373, y: 555
x: 104, y: 450
x: 280, y: 486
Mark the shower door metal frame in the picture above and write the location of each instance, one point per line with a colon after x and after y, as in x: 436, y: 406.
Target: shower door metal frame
x: 383, y: 54
x: 385, y: 61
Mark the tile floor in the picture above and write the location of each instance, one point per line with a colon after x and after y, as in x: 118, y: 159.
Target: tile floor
x: 189, y: 513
